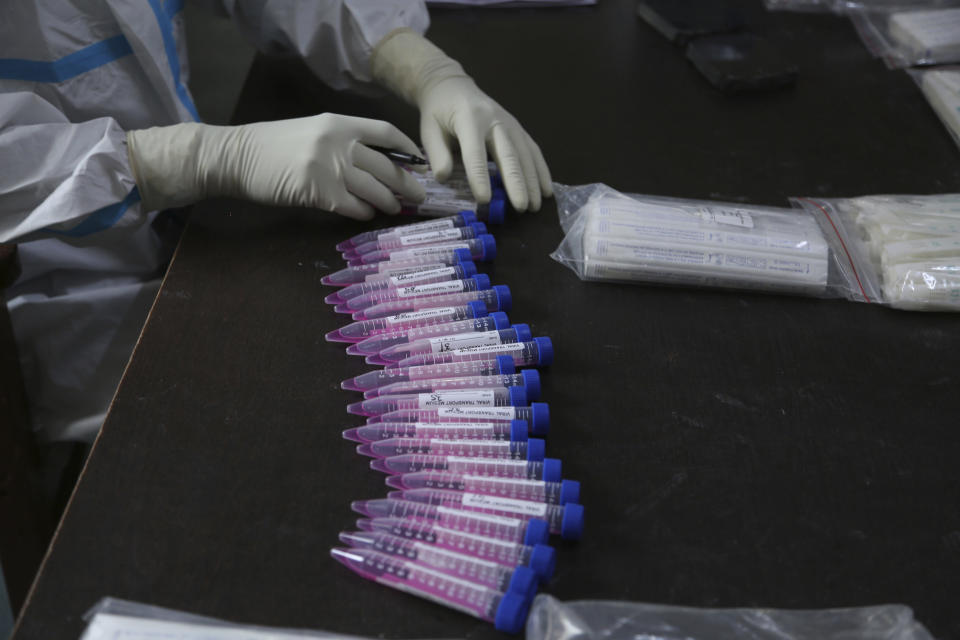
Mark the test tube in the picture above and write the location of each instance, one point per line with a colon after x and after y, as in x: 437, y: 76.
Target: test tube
x: 459, y: 219
x: 377, y: 343
x: 495, y: 397
x: 516, y: 430
x: 507, y: 611
x: 567, y: 520
x: 548, y: 470
x: 531, y: 449
x: 374, y: 379
x: 518, y: 488
x: 399, y: 240
x: 520, y: 580
x: 537, y: 415
x: 442, y: 344
x: 360, y: 273
x: 539, y: 557
x: 357, y: 331
x: 529, y: 379
x: 416, y: 294
x: 530, y: 532
x: 482, y: 248
x: 536, y: 352
x: 438, y: 273
x: 496, y: 299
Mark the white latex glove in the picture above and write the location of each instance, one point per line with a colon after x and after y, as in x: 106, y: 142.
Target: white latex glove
x: 321, y: 161
x: 453, y: 107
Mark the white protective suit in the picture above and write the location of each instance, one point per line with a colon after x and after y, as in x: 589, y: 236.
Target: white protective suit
x: 75, y: 75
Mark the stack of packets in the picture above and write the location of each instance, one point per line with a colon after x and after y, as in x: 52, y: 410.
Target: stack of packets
x: 450, y: 420
x: 900, y: 250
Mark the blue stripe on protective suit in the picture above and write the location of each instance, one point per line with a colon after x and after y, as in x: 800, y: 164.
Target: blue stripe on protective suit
x: 170, y: 45
x: 173, y: 7
x: 100, y: 219
x: 70, y: 66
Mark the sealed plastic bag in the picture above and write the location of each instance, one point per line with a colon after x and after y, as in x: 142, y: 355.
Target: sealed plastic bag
x: 112, y: 618
x: 899, y: 249
x: 907, y: 35
x: 551, y: 619
x: 638, y: 238
x: 941, y: 87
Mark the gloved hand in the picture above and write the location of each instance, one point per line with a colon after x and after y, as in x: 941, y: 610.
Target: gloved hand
x: 452, y: 106
x: 320, y: 161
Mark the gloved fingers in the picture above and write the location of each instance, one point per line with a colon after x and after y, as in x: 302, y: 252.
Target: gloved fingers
x: 511, y: 168
x: 437, y: 147
x: 473, y: 149
x: 520, y: 140
x: 543, y: 172
x: 367, y: 188
x: 381, y: 133
x: 388, y: 172
x: 353, y: 207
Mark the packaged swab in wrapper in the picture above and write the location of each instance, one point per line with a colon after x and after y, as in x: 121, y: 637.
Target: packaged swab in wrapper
x: 650, y: 239
x: 901, y: 250
x: 910, y: 34
x: 941, y: 86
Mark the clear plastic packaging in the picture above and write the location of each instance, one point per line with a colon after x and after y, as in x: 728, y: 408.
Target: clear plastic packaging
x: 846, y: 6
x: 941, y: 87
x: 112, y: 618
x: 635, y: 238
x: 910, y: 34
x: 551, y: 619
x: 900, y: 250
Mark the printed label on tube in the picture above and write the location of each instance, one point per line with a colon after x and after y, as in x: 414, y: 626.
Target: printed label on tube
x: 435, y: 288
x: 430, y: 236
x: 480, y: 398
x: 526, y: 507
x: 480, y: 413
x: 420, y: 315
x: 486, y: 517
x: 419, y: 227
x: 502, y: 463
x: 425, y: 549
x: 536, y: 484
x: 420, y: 252
x: 498, y: 348
x: 463, y: 341
x: 422, y: 275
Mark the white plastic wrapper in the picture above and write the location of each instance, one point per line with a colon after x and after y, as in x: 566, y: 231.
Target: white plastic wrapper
x: 941, y: 86
x: 551, y: 619
x: 112, y: 619
x: 899, y: 249
x: 907, y: 35
x: 848, y: 6
x: 638, y: 238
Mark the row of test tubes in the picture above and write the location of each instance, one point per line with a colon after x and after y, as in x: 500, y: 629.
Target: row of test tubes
x: 454, y: 420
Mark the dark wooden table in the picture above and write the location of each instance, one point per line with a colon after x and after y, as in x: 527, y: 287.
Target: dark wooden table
x: 734, y: 449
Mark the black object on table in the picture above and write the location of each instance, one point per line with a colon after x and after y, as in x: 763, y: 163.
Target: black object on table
x: 734, y: 449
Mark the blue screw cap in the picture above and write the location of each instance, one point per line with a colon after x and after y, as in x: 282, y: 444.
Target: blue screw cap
x: 540, y: 422
x: 504, y: 299
x: 523, y: 332
x: 538, y: 532
x: 552, y: 468
x: 536, y: 448
x: 500, y: 321
x: 571, y: 528
x: 518, y: 396
x: 543, y: 561
x: 524, y: 582
x: 569, y: 491
x: 531, y: 380
x: 488, y: 247
x: 482, y: 280
x: 512, y: 613
x: 497, y: 210
x: 467, y: 216
x: 462, y: 255
x: 478, y: 228
x: 544, y: 351
x: 469, y: 269
x: 477, y: 309
x: 505, y: 364
x: 518, y: 431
